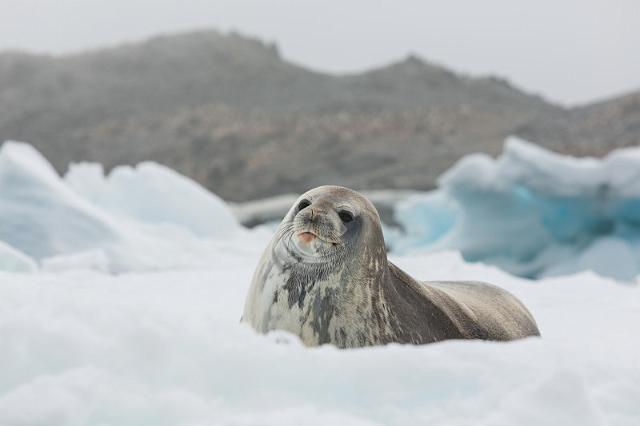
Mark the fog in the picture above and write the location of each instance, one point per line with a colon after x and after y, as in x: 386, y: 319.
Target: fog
x: 571, y: 51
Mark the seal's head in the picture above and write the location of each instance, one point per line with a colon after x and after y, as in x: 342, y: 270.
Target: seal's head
x: 328, y: 223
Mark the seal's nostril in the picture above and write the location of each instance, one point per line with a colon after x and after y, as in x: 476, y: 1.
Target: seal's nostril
x: 311, y: 211
x: 303, y: 204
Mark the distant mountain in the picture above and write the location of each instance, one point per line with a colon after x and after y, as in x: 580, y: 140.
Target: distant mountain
x: 228, y: 111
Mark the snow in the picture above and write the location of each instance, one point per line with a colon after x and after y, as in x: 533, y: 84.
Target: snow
x: 158, y: 348
x: 533, y: 212
x: 93, y: 260
x: 116, y: 314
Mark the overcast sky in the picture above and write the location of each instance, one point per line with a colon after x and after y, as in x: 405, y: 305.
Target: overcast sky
x: 570, y: 51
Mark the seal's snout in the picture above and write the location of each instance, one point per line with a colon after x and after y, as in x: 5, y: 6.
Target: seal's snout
x: 316, y: 224
x: 309, y: 220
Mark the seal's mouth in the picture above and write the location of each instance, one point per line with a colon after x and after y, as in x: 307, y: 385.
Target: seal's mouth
x: 308, y: 236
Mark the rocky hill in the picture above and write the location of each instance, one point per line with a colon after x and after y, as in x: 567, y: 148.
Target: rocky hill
x: 228, y: 111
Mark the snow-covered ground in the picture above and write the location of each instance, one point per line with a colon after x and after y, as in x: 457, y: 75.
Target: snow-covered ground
x: 111, y: 315
x: 166, y: 348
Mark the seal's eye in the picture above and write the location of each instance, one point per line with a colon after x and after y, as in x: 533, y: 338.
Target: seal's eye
x: 303, y: 204
x: 345, y: 216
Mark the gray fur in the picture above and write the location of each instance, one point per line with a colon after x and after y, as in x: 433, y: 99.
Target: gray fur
x: 341, y: 289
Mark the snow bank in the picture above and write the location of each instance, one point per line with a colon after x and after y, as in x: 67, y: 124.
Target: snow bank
x: 154, y: 225
x: 533, y: 212
x: 83, y: 348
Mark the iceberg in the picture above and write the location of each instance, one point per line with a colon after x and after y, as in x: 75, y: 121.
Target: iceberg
x: 152, y: 193
x: 44, y: 218
x: 533, y: 212
x: 39, y: 215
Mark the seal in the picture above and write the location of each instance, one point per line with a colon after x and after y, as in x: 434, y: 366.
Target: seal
x: 325, y: 277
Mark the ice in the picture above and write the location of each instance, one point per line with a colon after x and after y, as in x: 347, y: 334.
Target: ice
x: 39, y: 215
x: 12, y: 260
x: 167, y: 348
x: 533, y: 212
x: 161, y: 223
x: 152, y: 193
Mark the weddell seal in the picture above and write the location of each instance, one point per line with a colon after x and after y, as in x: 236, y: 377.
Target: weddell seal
x: 325, y: 277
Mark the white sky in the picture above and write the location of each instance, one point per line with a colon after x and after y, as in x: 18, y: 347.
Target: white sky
x: 570, y: 51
